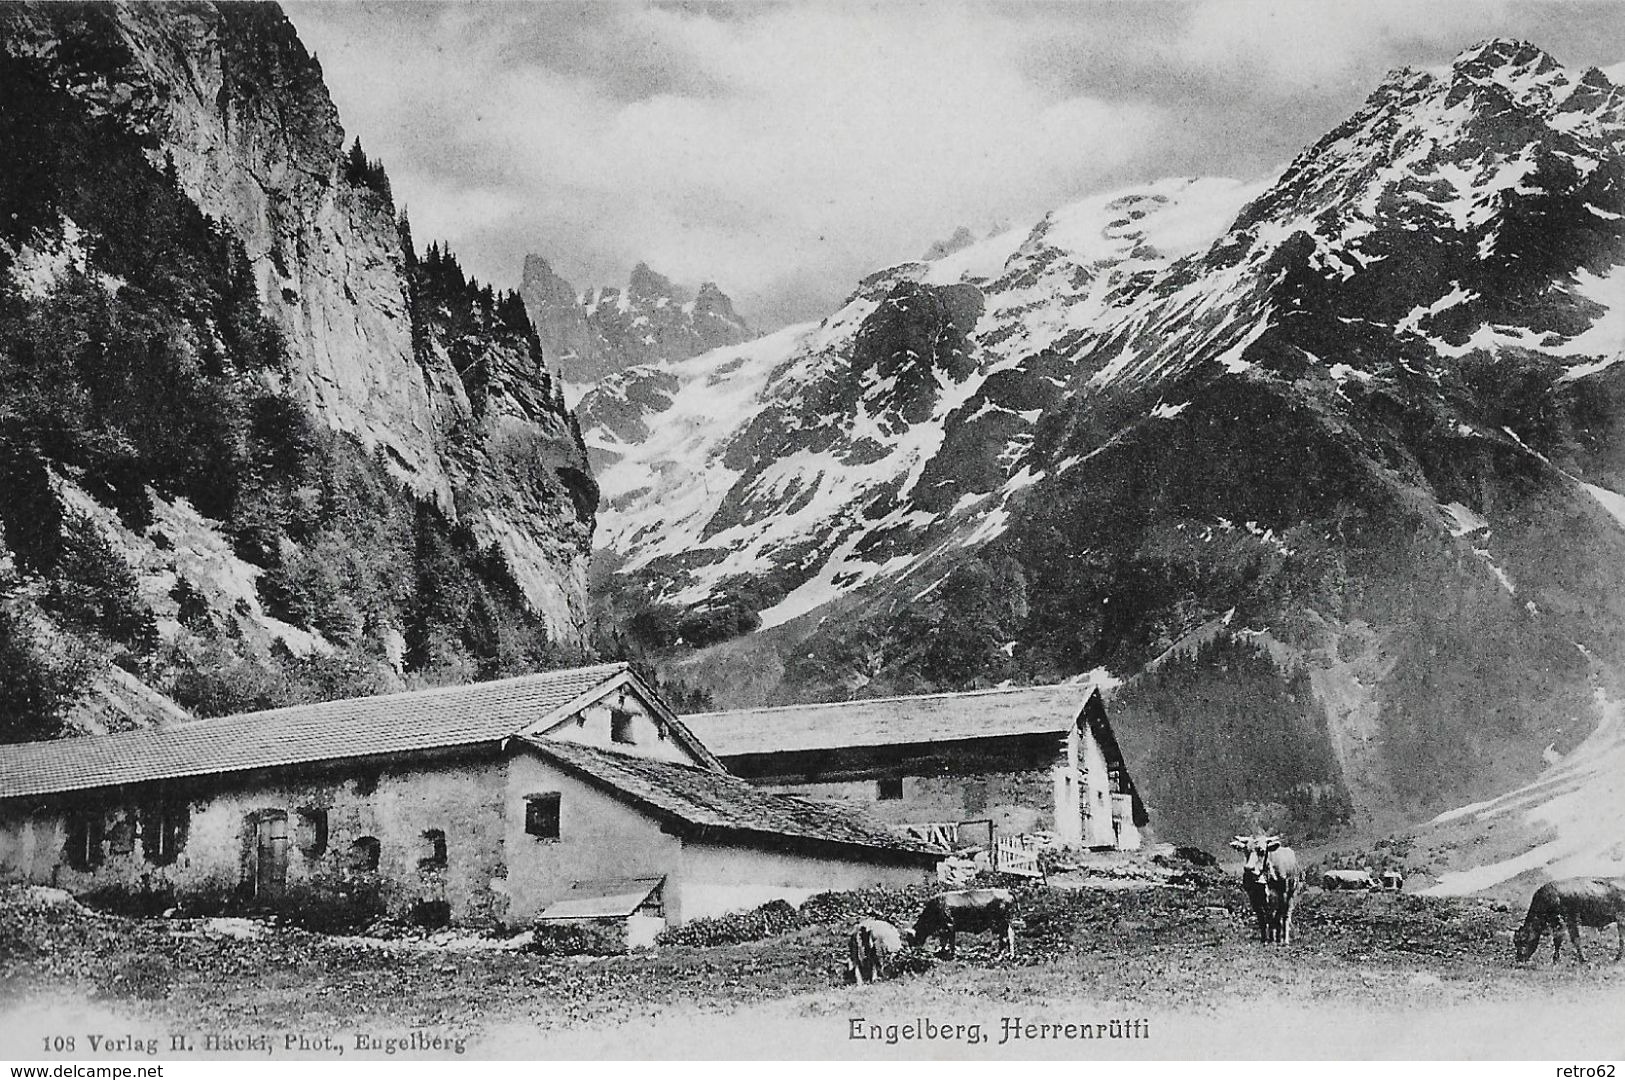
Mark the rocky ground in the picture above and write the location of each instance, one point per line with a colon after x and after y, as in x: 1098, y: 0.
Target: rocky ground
x: 1181, y: 953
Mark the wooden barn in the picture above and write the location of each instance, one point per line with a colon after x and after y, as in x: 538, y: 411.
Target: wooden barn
x: 1025, y: 760
x: 487, y: 804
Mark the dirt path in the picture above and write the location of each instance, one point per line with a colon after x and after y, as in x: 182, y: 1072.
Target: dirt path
x: 1379, y: 976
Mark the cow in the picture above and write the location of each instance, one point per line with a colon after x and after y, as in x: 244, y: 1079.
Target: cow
x: 871, y: 947
x: 970, y: 910
x: 1332, y: 880
x: 1393, y: 880
x: 1572, y: 902
x: 1272, y: 879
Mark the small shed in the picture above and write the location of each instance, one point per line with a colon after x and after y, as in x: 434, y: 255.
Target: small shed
x: 633, y: 909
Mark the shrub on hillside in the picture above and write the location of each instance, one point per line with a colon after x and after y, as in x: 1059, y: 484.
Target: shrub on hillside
x: 604, y: 937
x: 771, y: 919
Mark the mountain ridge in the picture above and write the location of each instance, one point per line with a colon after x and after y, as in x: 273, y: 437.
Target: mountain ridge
x: 589, y: 335
x: 1370, y: 409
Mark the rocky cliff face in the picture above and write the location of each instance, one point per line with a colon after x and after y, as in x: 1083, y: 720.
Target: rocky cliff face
x: 572, y: 345
x: 234, y: 100
x: 178, y: 171
x: 593, y: 335
x: 1330, y: 473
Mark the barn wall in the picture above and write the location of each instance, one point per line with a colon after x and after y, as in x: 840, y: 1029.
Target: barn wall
x: 395, y: 803
x: 600, y: 837
x: 718, y: 878
x: 1017, y: 802
x: 1097, y: 795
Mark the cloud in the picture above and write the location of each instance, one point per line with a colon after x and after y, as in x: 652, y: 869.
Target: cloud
x: 785, y: 150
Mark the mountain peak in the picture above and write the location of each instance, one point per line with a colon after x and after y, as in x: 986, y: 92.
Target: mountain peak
x: 645, y: 284
x: 959, y: 241
x: 1495, y: 53
x: 713, y: 301
x: 537, y: 269
x: 592, y: 334
x: 1525, y: 71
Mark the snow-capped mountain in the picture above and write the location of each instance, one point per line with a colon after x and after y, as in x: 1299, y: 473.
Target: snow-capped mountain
x: 586, y: 336
x: 1363, y: 420
x: 775, y: 466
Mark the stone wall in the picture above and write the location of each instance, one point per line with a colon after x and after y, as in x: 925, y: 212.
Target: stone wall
x: 215, y: 866
x: 1017, y: 802
x: 600, y: 838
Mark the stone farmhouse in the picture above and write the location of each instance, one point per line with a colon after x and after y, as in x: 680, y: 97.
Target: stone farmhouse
x: 1009, y: 761
x: 494, y: 803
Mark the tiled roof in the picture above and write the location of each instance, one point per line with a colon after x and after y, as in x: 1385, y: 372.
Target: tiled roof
x: 355, y: 727
x: 725, y: 804
x: 979, y: 714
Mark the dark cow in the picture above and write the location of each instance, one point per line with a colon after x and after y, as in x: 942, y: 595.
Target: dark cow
x: 1272, y: 880
x: 1393, y: 880
x: 870, y: 949
x: 1572, y: 902
x: 1333, y: 880
x: 973, y: 911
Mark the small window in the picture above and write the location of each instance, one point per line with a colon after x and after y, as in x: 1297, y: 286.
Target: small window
x: 620, y: 726
x: 83, y: 849
x: 890, y: 788
x: 542, y: 815
x: 366, y: 783
x: 434, y: 849
x: 311, y: 832
x: 364, y: 854
x: 163, y: 830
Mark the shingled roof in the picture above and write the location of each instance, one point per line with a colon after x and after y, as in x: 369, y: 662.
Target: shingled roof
x: 926, y: 718
x: 718, y: 803
x: 918, y: 720
x: 449, y: 716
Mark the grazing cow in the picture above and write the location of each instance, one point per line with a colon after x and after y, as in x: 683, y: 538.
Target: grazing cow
x: 970, y: 910
x: 1572, y: 902
x: 1393, y: 880
x: 870, y: 948
x: 1347, y: 879
x: 1272, y: 879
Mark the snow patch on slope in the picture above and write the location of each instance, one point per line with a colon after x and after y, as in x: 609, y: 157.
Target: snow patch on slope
x: 1581, y: 800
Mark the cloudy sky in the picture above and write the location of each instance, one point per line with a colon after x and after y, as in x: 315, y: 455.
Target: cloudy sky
x: 784, y: 150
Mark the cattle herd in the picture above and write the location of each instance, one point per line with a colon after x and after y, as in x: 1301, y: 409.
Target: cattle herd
x: 874, y: 942
x: 1272, y: 878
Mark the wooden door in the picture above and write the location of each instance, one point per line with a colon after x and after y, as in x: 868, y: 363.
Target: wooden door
x: 271, y: 856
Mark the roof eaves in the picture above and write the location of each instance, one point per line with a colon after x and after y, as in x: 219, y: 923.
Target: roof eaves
x: 895, y: 699
x: 72, y: 786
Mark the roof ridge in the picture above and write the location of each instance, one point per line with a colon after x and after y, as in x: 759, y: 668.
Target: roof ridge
x: 285, y: 710
x: 441, y: 691
x: 986, y: 691
x: 427, y: 691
